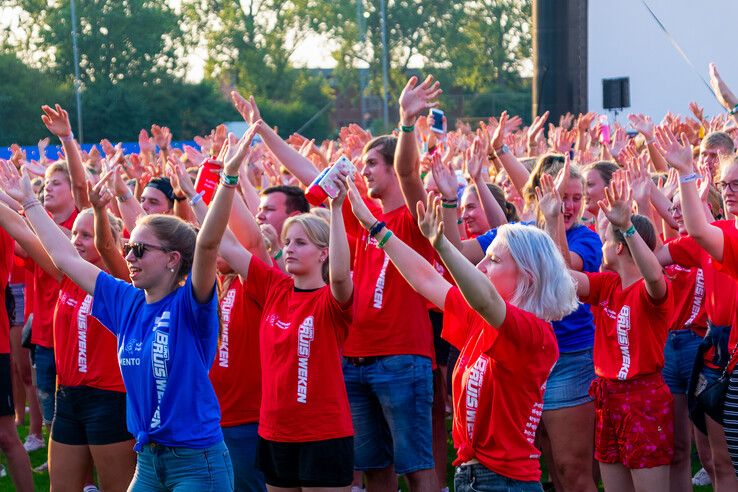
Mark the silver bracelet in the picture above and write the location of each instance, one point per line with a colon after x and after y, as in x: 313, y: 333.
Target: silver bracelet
x: 197, y: 198
x: 126, y: 197
x: 30, y: 203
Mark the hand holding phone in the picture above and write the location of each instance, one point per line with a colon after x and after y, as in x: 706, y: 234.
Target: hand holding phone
x: 437, y: 126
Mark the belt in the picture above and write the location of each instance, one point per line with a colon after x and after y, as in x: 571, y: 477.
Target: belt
x: 363, y: 361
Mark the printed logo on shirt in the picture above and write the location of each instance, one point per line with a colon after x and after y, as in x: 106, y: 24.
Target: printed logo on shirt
x: 379, y: 288
x: 305, y: 335
x: 273, y: 320
x: 82, y: 314
x: 225, y: 313
x: 159, y: 359
x: 623, y: 341
x: 699, y: 294
x: 473, y: 388
x: 67, y: 300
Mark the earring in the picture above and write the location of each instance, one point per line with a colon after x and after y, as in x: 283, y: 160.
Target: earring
x: 171, y: 270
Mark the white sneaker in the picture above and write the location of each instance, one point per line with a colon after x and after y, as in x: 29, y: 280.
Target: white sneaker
x: 3, y: 471
x: 33, y: 443
x: 42, y: 468
x: 91, y: 488
x: 701, y: 478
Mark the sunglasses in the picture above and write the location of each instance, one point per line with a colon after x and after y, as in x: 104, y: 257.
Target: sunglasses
x: 139, y: 249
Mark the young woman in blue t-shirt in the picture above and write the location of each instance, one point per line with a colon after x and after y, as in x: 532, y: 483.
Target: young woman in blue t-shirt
x: 166, y: 325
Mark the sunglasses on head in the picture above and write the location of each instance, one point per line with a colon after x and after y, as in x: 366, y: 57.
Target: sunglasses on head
x: 139, y: 249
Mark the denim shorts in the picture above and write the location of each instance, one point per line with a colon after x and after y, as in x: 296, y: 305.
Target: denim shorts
x: 19, y: 306
x: 89, y: 416
x: 45, y: 381
x: 163, y: 468
x: 568, y: 384
x: 478, y: 478
x: 679, y: 355
x: 241, y: 441
x: 391, y: 400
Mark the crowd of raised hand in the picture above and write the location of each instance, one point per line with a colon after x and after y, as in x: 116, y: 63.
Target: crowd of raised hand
x: 566, y: 290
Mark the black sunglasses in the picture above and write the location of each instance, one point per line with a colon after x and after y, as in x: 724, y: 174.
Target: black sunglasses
x: 139, y: 249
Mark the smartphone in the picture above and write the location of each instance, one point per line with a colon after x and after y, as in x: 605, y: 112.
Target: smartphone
x: 437, y: 120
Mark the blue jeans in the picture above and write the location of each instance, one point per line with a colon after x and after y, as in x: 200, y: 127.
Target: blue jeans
x: 241, y: 441
x: 478, y: 478
x: 679, y: 355
x: 45, y: 381
x: 569, y: 381
x: 163, y: 469
x: 391, y: 402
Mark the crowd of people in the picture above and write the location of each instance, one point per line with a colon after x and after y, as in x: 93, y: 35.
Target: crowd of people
x: 186, y: 320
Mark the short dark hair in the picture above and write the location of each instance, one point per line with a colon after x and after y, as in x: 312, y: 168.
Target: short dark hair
x: 643, y: 227
x: 295, y: 200
x: 385, y: 144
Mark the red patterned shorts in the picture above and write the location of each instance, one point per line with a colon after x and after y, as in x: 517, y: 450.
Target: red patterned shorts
x: 634, y: 421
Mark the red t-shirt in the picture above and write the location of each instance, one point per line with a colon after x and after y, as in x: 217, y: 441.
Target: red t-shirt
x: 720, y: 288
x: 7, y: 246
x: 85, y: 351
x: 630, y: 326
x: 303, y: 393
x: 45, y: 293
x: 688, y: 285
x: 498, y: 386
x: 390, y: 318
x: 236, y: 372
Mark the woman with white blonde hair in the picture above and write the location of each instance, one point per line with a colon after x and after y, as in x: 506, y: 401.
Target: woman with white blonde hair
x: 499, y: 317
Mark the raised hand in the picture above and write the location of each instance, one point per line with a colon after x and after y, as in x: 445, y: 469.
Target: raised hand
x: 247, y: 108
x: 498, y: 136
x: 194, y: 156
x: 145, y: 143
x: 42, y: 144
x: 697, y: 111
x: 619, y: 141
x: 416, y: 99
x: 642, y: 124
x: 273, y: 242
x: 162, y: 136
x: 17, y: 186
x: 678, y: 154
x: 475, y: 157
x: 444, y: 177
x: 724, y: 95
x: 430, y: 219
x: 57, y: 121
x: 639, y: 179
x: 549, y: 199
x: 236, y: 154
x: 341, y: 183
x: 100, y: 194
x: 617, y: 204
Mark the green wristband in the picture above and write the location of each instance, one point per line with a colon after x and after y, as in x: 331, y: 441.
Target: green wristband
x: 229, y: 180
x: 630, y: 232
x: 386, y: 237
x: 277, y: 256
x: 734, y: 110
x: 407, y: 129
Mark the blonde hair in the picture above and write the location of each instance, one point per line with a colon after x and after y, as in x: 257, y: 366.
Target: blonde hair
x: 316, y: 229
x: 545, y: 287
x: 116, y: 225
x: 58, y: 166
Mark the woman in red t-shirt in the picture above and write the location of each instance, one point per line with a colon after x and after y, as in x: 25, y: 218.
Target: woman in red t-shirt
x: 632, y: 305
x: 90, y: 416
x: 496, y: 318
x: 305, y: 428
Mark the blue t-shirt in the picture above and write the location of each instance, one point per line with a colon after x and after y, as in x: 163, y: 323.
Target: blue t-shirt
x: 165, y: 350
x: 576, y: 331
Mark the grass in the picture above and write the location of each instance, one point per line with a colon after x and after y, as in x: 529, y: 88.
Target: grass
x: 41, y: 480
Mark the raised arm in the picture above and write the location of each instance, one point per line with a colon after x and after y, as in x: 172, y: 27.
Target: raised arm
x: 679, y: 156
x: 724, y: 95
x: 55, y: 242
x: 26, y: 239
x: 617, y: 208
x: 107, y: 246
x: 129, y: 207
x: 515, y: 170
x: 414, y: 100
x: 550, y: 204
x: 476, y: 156
x: 299, y: 165
x: 57, y: 121
x: 420, y: 274
x: 339, y: 266
x: 216, y: 221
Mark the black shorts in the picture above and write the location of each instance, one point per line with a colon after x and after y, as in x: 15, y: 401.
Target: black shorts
x: 440, y: 345
x: 89, y: 416
x: 6, y: 387
x: 328, y: 463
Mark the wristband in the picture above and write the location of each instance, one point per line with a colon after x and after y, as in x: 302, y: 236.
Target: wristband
x: 228, y: 179
x: 689, y: 178
x: 502, y: 150
x: 179, y: 198
x: 68, y: 138
x: 452, y: 204
x: 630, y: 232
x: 124, y: 198
x: 407, y: 129
x: 30, y: 203
x: 376, y: 228
x: 277, y: 256
x: 734, y: 110
x: 459, y: 221
x: 196, y: 198
x: 384, y: 240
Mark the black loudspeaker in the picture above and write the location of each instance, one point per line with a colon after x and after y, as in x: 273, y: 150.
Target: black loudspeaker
x: 616, y: 93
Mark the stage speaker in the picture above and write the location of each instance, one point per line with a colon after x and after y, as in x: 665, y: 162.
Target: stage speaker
x: 616, y: 93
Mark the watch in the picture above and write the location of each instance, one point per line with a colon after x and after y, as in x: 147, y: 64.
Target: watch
x: 502, y: 150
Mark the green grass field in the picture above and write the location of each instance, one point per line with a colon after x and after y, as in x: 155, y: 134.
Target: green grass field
x: 41, y: 480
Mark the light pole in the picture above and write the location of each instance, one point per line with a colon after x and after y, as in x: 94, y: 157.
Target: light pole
x: 77, y: 82
x: 362, y: 73
x: 383, y: 27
